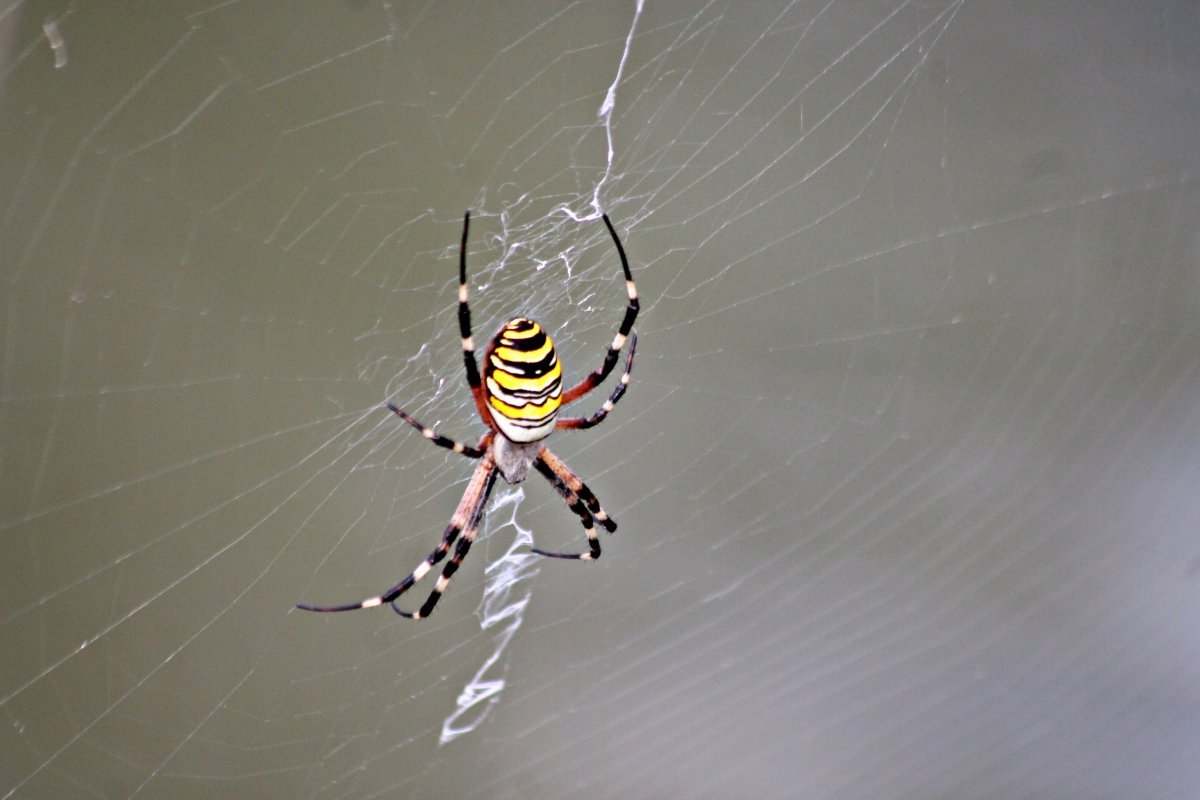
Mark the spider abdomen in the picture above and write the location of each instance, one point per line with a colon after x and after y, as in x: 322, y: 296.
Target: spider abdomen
x: 522, y: 381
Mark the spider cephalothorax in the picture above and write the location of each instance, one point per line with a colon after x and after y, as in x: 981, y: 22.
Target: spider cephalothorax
x: 518, y: 397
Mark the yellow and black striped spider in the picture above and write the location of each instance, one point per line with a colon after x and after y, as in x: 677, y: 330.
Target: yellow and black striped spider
x: 518, y: 398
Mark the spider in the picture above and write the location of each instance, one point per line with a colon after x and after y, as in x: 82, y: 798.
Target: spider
x: 518, y: 397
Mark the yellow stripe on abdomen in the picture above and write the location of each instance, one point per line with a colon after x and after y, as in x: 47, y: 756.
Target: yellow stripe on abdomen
x: 528, y: 412
x: 508, y: 380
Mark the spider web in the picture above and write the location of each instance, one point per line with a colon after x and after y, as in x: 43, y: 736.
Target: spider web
x: 905, y: 479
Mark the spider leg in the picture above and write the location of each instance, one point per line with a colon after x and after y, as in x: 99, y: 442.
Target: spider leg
x: 469, y: 513
x: 578, y: 423
x: 443, y: 441
x: 579, y: 498
x: 573, y: 482
x: 594, y: 379
x: 464, y: 328
x: 465, y: 518
x: 585, y: 516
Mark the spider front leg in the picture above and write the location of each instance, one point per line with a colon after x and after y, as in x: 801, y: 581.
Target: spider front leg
x: 579, y: 498
x: 488, y: 469
x: 465, y: 521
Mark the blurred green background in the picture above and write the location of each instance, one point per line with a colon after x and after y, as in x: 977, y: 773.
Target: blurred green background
x: 906, y: 477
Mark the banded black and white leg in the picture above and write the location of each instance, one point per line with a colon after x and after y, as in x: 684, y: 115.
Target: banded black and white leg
x: 444, y: 441
x: 580, y: 423
x: 474, y: 381
x: 579, y: 498
x: 575, y: 504
x: 468, y: 515
x: 465, y: 521
x: 596, y: 377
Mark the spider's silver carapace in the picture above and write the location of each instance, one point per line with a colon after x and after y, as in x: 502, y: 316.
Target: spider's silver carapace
x: 518, y: 397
